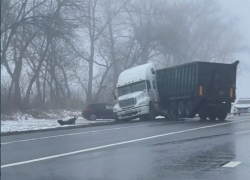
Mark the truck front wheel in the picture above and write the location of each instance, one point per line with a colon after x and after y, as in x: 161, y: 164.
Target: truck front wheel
x: 151, y: 115
x: 144, y: 118
x: 152, y: 112
x: 127, y: 120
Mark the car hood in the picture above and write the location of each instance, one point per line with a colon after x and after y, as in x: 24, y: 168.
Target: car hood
x: 131, y: 95
x: 242, y: 105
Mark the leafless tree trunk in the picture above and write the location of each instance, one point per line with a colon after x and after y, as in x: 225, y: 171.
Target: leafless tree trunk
x: 54, y: 49
x: 36, y: 73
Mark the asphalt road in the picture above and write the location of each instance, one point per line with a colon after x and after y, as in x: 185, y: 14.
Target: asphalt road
x: 155, y: 150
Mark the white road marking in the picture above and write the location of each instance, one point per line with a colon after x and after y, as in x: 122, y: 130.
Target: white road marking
x: 243, y: 132
x: 114, y: 144
x: 232, y: 164
x: 72, y: 134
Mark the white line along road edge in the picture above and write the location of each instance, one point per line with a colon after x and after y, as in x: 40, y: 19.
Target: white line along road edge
x: 87, y: 132
x: 114, y: 144
x: 232, y: 164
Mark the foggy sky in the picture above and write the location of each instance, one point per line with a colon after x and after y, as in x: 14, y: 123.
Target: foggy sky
x: 241, y: 10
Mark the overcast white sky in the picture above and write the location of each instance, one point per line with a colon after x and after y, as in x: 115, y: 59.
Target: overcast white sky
x: 241, y: 9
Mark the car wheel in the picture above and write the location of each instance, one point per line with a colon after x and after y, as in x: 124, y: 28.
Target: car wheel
x: 93, y: 117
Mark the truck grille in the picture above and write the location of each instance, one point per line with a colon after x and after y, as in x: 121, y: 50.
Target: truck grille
x: 127, y: 102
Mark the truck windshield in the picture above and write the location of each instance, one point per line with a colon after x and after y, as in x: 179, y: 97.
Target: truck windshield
x: 131, y: 88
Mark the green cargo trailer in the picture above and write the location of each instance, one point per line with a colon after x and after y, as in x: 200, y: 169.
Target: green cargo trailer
x: 203, y: 88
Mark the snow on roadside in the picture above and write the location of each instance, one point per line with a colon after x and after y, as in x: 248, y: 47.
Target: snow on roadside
x: 230, y: 116
x: 25, y: 122
x: 160, y: 117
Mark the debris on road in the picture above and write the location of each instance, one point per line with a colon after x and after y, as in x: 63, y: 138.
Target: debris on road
x: 68, y: 122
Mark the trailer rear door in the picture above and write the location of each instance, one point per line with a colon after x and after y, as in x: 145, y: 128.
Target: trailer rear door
x: 217, y: 81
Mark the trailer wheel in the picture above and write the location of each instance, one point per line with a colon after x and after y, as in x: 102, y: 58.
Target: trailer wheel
x: 202, y: 116
x: 212, y: 117
x: 222, y: 114
x: 173, y: 110
x: 189, y: 108
x: 181, y: 110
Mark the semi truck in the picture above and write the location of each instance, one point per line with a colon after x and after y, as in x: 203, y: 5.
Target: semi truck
x: 182, y: 91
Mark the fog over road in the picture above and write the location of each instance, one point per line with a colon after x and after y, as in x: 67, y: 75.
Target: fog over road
x: 240, y: 11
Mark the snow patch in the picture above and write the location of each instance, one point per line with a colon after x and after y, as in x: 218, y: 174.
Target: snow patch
x: 24, y: 122
x: 160, y: 117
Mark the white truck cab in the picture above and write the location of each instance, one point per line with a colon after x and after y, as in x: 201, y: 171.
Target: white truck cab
x: 136, y: 93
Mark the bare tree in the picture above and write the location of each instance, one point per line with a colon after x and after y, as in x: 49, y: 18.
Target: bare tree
x: 195, y: 31
x: 58, y: 51
x: 143, y: 17
x: 17, y: 32
x: 94, y: 25
x: 54, y: 29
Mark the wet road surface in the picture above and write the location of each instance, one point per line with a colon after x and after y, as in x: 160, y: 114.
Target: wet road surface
x: 156, y: 150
